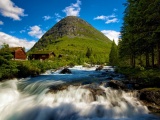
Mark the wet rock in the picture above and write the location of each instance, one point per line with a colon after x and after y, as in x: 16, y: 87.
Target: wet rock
x: 150, y: 95
x: 151, y: 98
x: 99, y: 68
x: 34, y: 74
x: 66, y: 71
x: 56, y: 88
x: 153, y: 108
x: 104, y: 84
x: 95, y: 90
x: 117, y: 84
x: 139, y: 84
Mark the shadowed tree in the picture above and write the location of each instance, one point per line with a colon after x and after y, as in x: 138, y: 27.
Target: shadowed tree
x: 89, y: 52
x: 113, y: 56
x: 140, y: 32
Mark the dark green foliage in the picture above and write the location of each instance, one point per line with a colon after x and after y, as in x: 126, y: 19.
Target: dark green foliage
x: 139, y: 47
x: 27, y: 68
x: 89, y: 52
x: 141, y: 75
x: 140, y: 44
x: 5, y: 52
x: 113, y: 56
x: 35, y: 67
x: 8, y: 68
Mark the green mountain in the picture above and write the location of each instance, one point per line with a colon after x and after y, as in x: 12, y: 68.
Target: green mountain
x: 72, y: 37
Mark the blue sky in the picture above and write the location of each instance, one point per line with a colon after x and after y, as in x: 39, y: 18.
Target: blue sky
x: 23, y: 22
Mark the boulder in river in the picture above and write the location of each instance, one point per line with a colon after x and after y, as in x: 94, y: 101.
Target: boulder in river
x: 95, y: 90
x: 117, y: 84
x: 66, y: 71
x: 99, y: 68
x: 151, y: 98
x: 60, y: 87
x: 150, y: 95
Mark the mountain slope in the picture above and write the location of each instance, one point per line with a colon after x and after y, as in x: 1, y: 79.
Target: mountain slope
x: 72, y: 36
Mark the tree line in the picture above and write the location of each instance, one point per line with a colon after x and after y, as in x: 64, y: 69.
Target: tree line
x: 140, y: 34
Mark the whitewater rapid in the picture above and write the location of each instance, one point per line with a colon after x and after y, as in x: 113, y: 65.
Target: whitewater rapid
x: 30, y: 99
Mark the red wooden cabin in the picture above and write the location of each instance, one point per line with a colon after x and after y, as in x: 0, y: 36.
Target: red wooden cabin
x: 41, y: 55
x: 18, y: 53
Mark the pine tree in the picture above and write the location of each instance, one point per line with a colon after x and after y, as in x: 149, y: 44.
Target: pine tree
x: 89, y: 52
x: 140, y: 32
x: 113, y: 56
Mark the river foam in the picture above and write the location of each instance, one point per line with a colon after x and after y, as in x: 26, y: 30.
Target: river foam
x: 31, y: 100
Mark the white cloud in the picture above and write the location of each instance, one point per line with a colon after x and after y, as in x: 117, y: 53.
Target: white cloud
x: 47, y: 17
x: 22, y: 31
x: 15, y: 42
x: 35, y: 31
x: 112, y: 35
x: 1, y: 23
x: 58, y: 17
x: 109, y: 19
x: 114, y: 20
x: 103, y: 17
x: 9, y: 9
x: 73, y: 9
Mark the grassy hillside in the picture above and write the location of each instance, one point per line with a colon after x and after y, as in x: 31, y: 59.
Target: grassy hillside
x: 71, y: 37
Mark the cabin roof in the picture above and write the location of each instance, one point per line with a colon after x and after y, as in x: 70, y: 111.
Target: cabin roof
x: 42, y: 52
x: 13, y: 49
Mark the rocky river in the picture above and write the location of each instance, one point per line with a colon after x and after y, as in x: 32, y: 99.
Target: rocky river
x: 83, y: 94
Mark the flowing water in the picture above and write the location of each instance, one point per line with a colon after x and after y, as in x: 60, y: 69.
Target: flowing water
x: 29, y: 99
